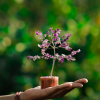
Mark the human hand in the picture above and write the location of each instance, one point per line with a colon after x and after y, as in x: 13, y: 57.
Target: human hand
x: 51, y: 92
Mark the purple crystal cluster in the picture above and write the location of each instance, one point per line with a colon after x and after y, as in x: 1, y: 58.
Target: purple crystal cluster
x: 54, y: 42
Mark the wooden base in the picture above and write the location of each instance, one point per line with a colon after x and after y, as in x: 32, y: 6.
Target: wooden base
x: 49, y: 81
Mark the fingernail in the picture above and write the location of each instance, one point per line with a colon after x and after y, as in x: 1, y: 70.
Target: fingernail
x: 86, y: 80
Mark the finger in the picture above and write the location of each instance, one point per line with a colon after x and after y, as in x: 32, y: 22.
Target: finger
x: 53, y: 90
x: 64, y: 91
x: 74, y: 85
x: 77, y: 85
x: 83, y: 80
x: 60, y: 89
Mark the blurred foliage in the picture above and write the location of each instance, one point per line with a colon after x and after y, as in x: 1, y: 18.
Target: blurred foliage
x: 19, y: 19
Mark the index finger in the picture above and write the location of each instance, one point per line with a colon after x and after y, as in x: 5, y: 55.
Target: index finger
x: 83, y: 80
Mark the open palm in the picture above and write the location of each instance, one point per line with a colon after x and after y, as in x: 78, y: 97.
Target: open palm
x: 52, y: 92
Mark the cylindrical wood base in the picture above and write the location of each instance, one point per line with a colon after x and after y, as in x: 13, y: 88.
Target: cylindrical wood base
x: 49, y: 81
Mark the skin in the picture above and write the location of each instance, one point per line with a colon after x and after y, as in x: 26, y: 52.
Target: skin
x: 52, y: 92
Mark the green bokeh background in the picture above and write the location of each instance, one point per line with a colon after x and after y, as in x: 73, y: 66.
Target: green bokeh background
x: 19, y: 19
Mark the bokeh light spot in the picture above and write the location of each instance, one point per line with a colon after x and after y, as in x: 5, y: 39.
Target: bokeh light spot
x: 66, y: 9
x: 62, y: 75
x: 95, y: 31
x: 28, y: 86
x: 7, y: 41
x: 89, y: 91
x: 27, y: 65
x: 75, y: 93
x: 20, y: 47
x: 72, y: 25
x: 21, y: 24
x: 19, y: 1
x: 2, y: 47
x: 98, y: 20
